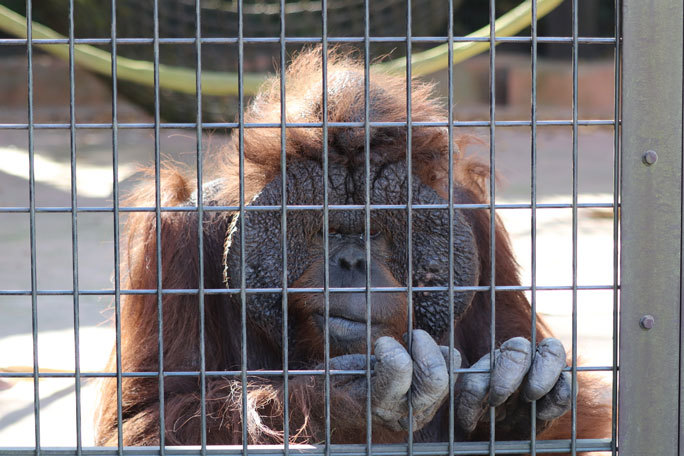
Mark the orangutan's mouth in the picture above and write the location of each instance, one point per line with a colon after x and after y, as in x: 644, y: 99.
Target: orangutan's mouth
x: 343, y: 330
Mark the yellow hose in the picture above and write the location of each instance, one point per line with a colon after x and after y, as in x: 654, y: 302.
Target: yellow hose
x: 435, y: 59
x: 182, y: 79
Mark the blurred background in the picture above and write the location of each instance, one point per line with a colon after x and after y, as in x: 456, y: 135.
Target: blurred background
x: 93, y: 98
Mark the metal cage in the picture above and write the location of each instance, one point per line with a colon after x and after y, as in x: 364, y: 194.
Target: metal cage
x: 646, y: 217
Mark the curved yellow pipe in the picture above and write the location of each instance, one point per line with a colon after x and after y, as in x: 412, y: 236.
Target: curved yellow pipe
x: 182, y: 79
x: 434, y: 59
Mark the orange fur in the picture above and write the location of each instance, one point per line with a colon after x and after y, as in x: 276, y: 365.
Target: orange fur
x: 180, y: 270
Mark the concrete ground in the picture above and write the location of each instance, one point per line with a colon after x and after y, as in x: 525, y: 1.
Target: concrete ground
x: 55, y: 315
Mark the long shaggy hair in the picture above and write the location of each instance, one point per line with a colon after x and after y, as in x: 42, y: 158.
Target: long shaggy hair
x: 180, y: 325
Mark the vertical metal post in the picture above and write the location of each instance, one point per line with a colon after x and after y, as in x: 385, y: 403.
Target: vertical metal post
x: 492, y: 209
x: 117, y: 250
x: 283, y: 224
x: 326, y: 219
x: 367, y: 214
x: 651, y: 229
x: 32, y: 224
x: 616, y: 224
x: 243, y: 268
x: 575, y: 183
x: 450, y: 132
x: 533, y: 212
x: 74, y: 229
x: 200, y: 228
x: 409, y: 212
x: 158, y: 231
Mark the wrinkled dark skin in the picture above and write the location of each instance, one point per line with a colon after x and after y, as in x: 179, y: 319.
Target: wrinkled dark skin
x: 516, y: 380
x: 388, y: 186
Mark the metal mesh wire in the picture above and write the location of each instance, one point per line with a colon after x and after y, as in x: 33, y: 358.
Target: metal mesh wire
x: 183, y: 20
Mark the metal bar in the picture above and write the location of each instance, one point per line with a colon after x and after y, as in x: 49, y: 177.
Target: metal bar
x: 409, y: 215
x: 32, y: 226
x: 596, y: 40
x: 450, y: 189
x: 74, y: 229
x: 533, y: 215
x: 420, y: 449
x: 326, y: 224
x: 200, y: 227
x: 651, y: 228
x: 367, y: 201
x: 616, y: 229
x: 312, y: 207
x: 243, y: 268
x: 158, y: 223
x: 283, y: 222
x: 189, y: 291
x: 575, y: 182
x: 236, y: 373
x: 216, y: 125
x: 492, y: 211
x: 116, y: 232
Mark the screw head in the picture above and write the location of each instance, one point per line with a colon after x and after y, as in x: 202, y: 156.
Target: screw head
x: 649, y: 157
x: 647, y: 322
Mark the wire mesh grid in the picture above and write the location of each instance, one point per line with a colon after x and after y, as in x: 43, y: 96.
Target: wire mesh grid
x: 451, y: 446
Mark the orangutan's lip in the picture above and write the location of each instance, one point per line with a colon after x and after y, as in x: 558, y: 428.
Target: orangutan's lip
x: 342, y: 329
